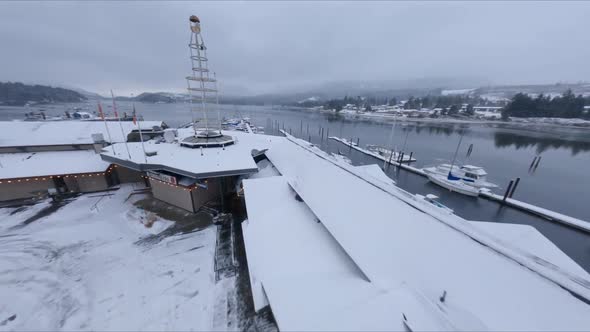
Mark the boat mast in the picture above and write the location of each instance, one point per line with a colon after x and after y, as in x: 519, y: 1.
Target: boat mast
x: 455, y: 156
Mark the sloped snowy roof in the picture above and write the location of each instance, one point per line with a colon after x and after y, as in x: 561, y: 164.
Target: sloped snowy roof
x: 317, y: 281
x: 401, y: 246
x: 529, y: 238
x: 20, y: 165
x: 29, y: 133
x: 235, y: 159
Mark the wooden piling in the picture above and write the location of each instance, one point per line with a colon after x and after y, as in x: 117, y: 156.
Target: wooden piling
x: 514, y: 187
x: 507, y: 191
x: 538, y: 161
x: 533, y: 163
x: 390, y: 157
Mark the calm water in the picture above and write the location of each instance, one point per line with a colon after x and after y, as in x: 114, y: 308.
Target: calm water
x: 560, y: 183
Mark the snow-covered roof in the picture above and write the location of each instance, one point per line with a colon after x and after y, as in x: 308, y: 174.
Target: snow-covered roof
x: 529, y: 238
x: 20, y: 165
x: 29, y: 133
x: 235, y: 159
x: 411, y: 251
x: 326, y: 290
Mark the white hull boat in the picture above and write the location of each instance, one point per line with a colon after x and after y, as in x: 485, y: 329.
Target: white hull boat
x: 473, y: 176
x: 432, y: 199
x: 457, y: 186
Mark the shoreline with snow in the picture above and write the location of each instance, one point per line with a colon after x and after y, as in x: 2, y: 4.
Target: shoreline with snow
x: 515, y: 122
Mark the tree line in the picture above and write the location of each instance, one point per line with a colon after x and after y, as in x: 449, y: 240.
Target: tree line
x: 568, y: 105
x: 18, y: 94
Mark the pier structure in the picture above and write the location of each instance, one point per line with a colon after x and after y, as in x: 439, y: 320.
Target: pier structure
x: 486, y: 193
x: 379, y: 258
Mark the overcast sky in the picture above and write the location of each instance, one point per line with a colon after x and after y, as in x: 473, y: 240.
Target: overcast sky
x: 260, y: 47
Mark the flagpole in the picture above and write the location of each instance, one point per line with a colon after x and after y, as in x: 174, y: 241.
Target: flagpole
x: 107, y: 127
x: 140, y: 135
x: 120, y: 125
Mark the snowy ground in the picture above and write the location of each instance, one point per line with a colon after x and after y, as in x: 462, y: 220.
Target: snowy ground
x: 88, y: 268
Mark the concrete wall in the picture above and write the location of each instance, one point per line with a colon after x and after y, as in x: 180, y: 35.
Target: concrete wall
x: 127, y: 175
x: 72, y: 184
x: 43, y: 148
x: 23, y: 189
x: 201, y: 196
x: 92, y: 183
x: 172, y: 195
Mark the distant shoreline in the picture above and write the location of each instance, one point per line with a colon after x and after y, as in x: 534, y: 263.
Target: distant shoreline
x: 516, y: 122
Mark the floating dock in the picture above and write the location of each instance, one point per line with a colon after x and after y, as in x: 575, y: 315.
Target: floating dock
x: 394, y: 160
x: 539, y: 211
x: 545, y: 213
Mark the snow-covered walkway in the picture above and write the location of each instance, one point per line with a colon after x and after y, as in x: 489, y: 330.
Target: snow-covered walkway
x: 79, y: 269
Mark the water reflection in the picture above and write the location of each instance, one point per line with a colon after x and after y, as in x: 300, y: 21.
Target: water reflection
x: 518, y: 141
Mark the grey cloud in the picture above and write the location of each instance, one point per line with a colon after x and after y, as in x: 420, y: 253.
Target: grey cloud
x: 258, y: 47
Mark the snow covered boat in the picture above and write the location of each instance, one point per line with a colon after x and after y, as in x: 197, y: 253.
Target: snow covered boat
x: 432, y: 199
x: 474, y: 176
x: 453, y: 184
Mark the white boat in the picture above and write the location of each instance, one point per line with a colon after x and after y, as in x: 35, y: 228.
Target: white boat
x: 453, y: 184
x: 474, y: 176
x: 432, y: 199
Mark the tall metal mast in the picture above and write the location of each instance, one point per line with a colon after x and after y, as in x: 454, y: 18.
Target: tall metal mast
x: 202, y: 90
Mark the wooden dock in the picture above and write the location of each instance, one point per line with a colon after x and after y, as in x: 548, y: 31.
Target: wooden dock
x: 394, y: 160
x: 542, y: 212
x: 530, y: 208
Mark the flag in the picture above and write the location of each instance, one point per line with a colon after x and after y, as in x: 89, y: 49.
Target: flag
x: 100, y: 111
x: 134, y: 117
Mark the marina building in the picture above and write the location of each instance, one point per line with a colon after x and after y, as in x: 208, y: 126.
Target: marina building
x: 62, y: 157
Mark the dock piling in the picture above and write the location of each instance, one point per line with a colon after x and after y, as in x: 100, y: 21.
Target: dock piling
x: 401, y: 158
x: 538, y: 161
x: 507, y: 191
x: 410, y: 159
x: 390, y: 157
x: 514, y: 187
x: 533, y: 163
x: 357, y: 141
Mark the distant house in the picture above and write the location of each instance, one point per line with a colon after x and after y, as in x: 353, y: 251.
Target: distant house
x: 491, y: 109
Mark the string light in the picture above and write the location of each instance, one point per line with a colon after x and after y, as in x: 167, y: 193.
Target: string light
x: 49, y: 177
